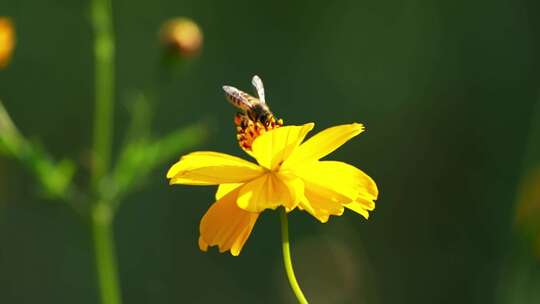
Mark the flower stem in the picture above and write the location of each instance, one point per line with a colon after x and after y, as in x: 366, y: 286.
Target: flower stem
x: 104, y: 87
x: 287, y: 257
x: 102, y: 216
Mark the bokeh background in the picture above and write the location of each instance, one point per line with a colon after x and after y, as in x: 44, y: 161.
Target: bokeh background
x: 448, y: 90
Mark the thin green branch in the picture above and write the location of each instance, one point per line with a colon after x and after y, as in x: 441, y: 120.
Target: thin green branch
x: 139, y: 158
x: 104, y: 87
x: 55, y: 178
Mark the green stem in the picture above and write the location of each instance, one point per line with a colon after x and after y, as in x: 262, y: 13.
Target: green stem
x: 287, y: 257
x: 102, y: 213
x: 102, y: 216
x: 104, y: 87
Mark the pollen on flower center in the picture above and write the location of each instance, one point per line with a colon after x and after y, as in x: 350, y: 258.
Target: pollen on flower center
x: 247, y: 130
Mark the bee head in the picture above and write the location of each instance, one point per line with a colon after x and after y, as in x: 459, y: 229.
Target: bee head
x: 261, y: 113
x: 265, y: 118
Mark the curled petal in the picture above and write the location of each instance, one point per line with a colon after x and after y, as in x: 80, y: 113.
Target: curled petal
x: 211, y: 168
x: 226, y: 226
x: 320, y: 207
x: 273, y: 147
x: 323, y: 143
x: 332, y: 185
x: 361, y: 206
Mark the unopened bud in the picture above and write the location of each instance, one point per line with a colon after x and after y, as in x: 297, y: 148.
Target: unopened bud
x: 7, y: 41
x: 182, y: 36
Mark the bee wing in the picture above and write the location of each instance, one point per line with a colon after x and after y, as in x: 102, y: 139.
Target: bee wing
x: 238, y: 98
x: 258, y: 84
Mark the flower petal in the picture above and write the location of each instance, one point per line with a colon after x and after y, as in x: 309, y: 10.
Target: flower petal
x: 330, y: 185
x: 361, y: 206
x: 269, y: 192
x: 341, y: 181
x: 320, y: 207
x: 273, y: 147
x: 363, y: 203
x: 223, y: 189
x: 295, y: 186
x: 226, y: 226
x: 323, y: 143
x: 211, y: 168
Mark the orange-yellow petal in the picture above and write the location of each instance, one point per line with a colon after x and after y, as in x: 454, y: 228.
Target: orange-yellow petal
x: 269, y: 192
x: 273, y: 147
x: 211, y: 168
x: 323, y: 143
x: 226, y: 226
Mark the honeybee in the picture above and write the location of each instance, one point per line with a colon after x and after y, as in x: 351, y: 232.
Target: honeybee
x: 255, y: 109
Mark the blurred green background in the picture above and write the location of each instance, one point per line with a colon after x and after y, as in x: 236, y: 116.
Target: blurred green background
x: 449, y: 93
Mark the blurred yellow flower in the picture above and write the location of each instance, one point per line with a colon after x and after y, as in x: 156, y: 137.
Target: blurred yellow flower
x: 289, y: 173
x: 7, y: 40
x: 182, y: 36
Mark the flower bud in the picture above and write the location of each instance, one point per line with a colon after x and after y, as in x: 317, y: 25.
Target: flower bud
x: 181, y: 36
x: 7, y: 41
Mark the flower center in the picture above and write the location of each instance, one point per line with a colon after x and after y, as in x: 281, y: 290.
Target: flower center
x: 247, y: 129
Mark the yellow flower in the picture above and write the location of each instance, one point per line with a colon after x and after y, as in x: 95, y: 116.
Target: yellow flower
x: 289, y: 173
x: 7, y: 40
